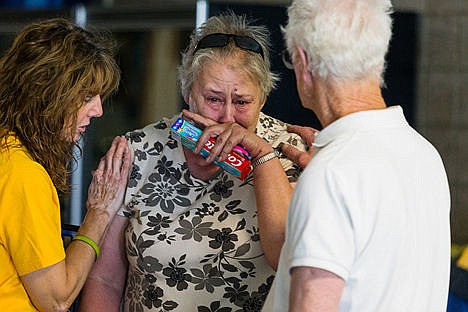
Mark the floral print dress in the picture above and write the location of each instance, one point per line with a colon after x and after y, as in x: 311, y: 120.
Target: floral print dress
x: 193, y: 245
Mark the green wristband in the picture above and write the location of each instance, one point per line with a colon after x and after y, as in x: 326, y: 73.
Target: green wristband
x: 90, y: 242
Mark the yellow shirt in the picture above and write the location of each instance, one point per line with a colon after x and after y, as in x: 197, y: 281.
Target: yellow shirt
x: 30, y: 230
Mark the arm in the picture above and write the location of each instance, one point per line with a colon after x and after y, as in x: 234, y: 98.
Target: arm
x: 105, y: 284
x: 54, y: 288
x: 273, y: 193
x: 313, y: 289
x: 272, y: 188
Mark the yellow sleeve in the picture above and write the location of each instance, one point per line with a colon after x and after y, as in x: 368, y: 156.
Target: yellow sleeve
x: 32, y: 231
x: 462, y: 262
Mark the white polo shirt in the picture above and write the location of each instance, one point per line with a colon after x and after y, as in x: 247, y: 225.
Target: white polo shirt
x: 372, y: 207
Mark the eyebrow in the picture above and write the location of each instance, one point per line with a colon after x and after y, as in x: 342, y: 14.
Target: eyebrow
x: 237, y: 95
x: 214, y: 91
x: 244, y: 95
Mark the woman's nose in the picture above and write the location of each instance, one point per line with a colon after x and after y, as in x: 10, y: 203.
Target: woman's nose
x: 96, y: 109
x: 228, y: 113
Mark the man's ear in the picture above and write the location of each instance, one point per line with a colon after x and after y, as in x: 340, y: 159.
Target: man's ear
x: 302, y: 63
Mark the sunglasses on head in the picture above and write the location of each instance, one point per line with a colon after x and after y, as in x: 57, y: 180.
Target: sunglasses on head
x: 219, y: 40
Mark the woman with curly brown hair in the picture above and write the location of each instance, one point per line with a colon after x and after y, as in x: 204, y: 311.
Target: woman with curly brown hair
x: 52, y: 80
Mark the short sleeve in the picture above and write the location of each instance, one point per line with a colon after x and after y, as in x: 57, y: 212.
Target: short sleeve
x: 32, y: 228
x: 319, y: 229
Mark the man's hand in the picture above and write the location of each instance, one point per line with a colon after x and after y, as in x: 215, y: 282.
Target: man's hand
x: 297, y: 156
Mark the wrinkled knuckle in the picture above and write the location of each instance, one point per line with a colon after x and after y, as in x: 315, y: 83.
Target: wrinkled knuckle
x: 303, y: 158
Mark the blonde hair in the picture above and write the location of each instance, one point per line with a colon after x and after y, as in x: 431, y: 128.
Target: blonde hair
x: 256, y: 67
x: 45, y: 76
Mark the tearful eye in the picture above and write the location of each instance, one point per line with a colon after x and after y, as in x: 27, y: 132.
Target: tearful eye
x: 213, y: 99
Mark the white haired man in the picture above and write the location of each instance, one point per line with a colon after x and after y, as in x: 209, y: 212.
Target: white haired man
x: 368, y: 225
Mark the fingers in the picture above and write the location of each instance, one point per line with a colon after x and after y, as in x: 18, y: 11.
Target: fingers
x: 306, y: 133
x: 227, y: 135
x: 114, y: 160
x: 110, y: 178
x: 297, y: 156
x: 114, y: 157
x: 209, y: 132
x: 225, y: 142
x: 127, y: 162
x: 205, y: 124
x: 118, y: 158
x: 100, y: 169
x: 198, y: 119
x: 114, y: 167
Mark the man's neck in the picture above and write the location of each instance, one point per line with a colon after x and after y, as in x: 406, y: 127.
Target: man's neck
x: 339, y: 100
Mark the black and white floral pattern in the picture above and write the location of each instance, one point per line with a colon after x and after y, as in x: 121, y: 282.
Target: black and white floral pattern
x: 193, y: 245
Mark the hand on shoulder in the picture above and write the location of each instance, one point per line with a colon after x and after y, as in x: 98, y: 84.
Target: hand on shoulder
x: 294, y: 154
